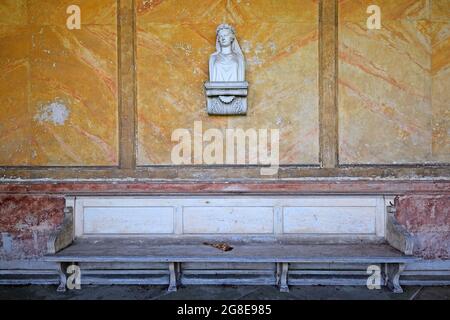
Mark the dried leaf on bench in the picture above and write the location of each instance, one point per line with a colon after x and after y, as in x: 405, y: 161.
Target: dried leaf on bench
x: 225, y: 247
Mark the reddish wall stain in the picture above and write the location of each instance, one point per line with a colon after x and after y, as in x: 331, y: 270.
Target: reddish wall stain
x: 428, y: 218
x: 26, y: 223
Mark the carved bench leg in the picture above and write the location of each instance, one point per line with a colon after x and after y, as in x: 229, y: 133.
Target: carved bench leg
x: 178, y: 272
x: 282, y: 276
x: 173, y: 276
x: 393, y: 272
x: 278, y: 273
x: 62, y: 277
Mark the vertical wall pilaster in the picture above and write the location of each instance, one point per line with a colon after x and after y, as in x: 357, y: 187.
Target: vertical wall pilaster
x: 127, y: 85
x: 328, y: 111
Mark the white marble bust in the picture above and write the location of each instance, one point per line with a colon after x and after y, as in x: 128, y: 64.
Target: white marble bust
x: 227, y: 90
x: 227, y: 64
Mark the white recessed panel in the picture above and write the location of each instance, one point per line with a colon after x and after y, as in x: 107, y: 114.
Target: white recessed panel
x: 329, y: 220
x: 228, y: 220
x: 128, y: 220
x: 362, y: 217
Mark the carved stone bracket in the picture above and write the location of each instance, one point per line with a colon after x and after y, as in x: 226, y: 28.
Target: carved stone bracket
x: 226, y: 98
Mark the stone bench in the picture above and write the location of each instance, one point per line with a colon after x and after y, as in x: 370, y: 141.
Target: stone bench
x: 392, y: 256
x: 136, y: 250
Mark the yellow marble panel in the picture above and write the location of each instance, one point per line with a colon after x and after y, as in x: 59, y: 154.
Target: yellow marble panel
x: 171, y: 71
x: 181, y: 12
x: 13, y: 12
x: 14, y: 91
x: 440, y: 10
x: 391, y: 10
x: 272, y: 11
x: 73, y: 98
x: 283, y: 72
x: 281, y: 50
x: 53, y: 12
x: 440, y: 90
x: 385, y: 114
x: 58, y: 87
x: 393, y: 83
x: 231, y: 11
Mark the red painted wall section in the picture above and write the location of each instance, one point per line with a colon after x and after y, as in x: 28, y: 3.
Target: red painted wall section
x: 428, y: 218
x: 26, y: 223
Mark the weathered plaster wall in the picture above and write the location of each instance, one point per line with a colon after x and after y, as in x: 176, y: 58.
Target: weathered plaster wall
x: 58, y: 87
x: 393, y: 95
x: 280, y: 42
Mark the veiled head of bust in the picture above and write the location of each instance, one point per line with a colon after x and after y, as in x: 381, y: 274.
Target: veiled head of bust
x: 225, y: 35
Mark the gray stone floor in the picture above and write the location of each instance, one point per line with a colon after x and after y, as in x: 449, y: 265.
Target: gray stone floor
x: 220, y: 293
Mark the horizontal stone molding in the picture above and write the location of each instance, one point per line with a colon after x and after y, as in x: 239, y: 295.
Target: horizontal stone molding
x: 117, y: 187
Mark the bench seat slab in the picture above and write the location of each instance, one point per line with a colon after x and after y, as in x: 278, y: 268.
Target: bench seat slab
x: 143, y: 250
x: 91, y: 250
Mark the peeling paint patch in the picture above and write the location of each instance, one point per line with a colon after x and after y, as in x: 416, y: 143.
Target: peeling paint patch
x: 56, y: 113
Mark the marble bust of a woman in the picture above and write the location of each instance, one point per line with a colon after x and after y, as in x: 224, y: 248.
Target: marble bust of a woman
x: 227, y: 64
x: 227, y: 90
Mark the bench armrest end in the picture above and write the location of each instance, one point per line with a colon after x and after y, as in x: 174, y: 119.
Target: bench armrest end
x: 397, y: 235
x: 64, y: 235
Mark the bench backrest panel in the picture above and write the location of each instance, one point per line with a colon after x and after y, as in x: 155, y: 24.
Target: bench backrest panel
x: 344, y: 216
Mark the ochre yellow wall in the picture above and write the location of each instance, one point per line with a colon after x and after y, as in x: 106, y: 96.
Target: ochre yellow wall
x: 394, y: 100
x: 44, y: 67
x: 393, y: 83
